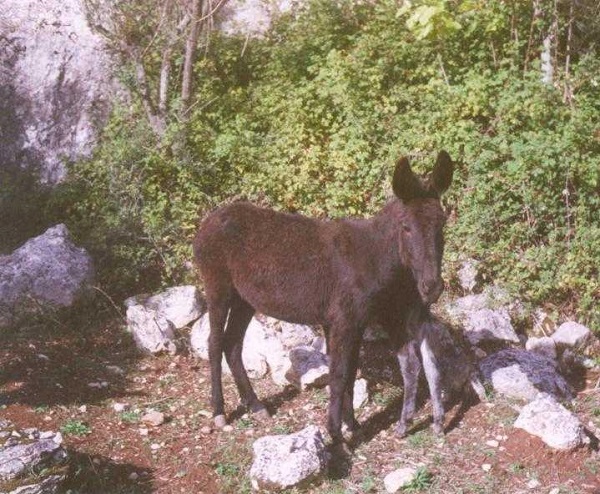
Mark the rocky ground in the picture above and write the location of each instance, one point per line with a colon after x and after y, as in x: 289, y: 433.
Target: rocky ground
x: 85, y: 379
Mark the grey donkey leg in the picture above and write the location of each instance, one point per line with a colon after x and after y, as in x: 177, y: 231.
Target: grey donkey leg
x: 410, y: 366
x: 432, y: 373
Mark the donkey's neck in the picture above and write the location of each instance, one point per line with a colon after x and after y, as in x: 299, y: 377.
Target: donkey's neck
x: 385, y: 231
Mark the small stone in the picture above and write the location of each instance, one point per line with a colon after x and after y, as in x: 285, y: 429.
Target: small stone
x: 361, y: 394
x: 120, y: 407
x: 206, y: 429
x: 228, y: 428
x: 153, y: 418
x: 41, y: 356
x: 396, y: 480
x: 486, y: 467
x: 46, y: 435
x: 556, y: 490
x: 83, y: 408
x: 533, y: 484
x: 155, y: 446
x: 572, y: 334
x: 115, y: 369
x: 133, y: 476
x: 143, y: 431
x: 544, y: 346
x: 492, y: 443
x: 58, y: 438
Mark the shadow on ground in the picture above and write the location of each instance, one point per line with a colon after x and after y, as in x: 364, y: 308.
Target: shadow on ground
x: 95, y: 474
x: 68, y: 360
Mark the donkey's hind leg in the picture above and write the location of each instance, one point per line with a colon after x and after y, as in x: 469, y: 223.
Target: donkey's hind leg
x: 239, y: 317
x: 218, y: 307
x: 410, y: 366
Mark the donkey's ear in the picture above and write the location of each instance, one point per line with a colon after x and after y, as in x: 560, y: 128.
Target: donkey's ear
x: 441, y: 177
x: 406, y: 185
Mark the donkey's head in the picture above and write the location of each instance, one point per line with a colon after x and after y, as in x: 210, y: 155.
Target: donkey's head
x: 422, y: 219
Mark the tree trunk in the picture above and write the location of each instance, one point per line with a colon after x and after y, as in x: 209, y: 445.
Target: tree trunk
x: 190, y: 55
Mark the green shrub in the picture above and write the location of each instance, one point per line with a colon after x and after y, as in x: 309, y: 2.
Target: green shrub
x: 311, y: 117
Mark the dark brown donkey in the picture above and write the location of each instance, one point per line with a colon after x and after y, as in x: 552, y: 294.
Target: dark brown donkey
x: 341, y: 274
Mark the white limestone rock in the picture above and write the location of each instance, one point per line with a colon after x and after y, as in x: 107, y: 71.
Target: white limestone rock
x: 543, y: 345
x: 552, y: 423
x: 285, y: 461
x: 572, y: 335
x: 398, y: 479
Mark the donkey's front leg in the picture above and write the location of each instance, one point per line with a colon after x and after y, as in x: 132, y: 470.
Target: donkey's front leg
x: 410, y: 366
x: 432, y: 373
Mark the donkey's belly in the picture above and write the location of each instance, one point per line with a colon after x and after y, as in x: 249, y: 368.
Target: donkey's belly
x: 290, y: 295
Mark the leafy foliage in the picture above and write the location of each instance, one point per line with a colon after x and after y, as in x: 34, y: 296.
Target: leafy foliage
x: 311, y: 117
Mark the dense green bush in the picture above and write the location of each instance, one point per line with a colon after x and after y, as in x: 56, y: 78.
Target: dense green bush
x: 312, y: 117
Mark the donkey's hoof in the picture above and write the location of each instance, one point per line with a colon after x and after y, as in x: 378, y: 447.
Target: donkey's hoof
x: 438, y: 429
x: 401, y: 430
x: 220, y: 421
x: 262, y: 415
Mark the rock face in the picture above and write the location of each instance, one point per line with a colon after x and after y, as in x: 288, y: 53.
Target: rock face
x: 522, y: 374
x: 550, y: 421
x: 251, y: 17
x: 152, y: 320
x: 55, y: 80
x: 48, y: 270
x: 285, y: 461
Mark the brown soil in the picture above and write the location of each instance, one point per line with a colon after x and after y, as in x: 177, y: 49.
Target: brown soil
x: 45, y: 372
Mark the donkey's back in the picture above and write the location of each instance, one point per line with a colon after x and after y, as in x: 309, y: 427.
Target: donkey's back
x: 279, y: 263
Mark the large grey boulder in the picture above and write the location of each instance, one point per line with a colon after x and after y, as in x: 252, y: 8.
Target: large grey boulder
x: 55, y: 85
x: 48, y: 270
x: 285, y: 461
x: 152, y: 320
x: 521, y: 374
x: 552, y: 423
x: 484, y: 317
